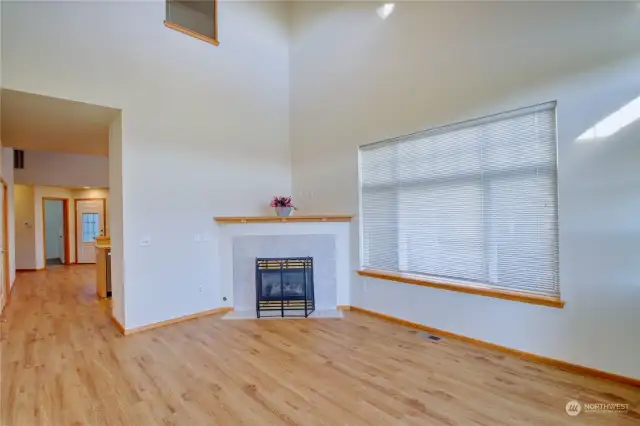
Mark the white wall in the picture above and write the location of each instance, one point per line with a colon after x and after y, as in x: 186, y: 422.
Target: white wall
x: 204, y: 129
x: 25, y: 230
x: 115, y: 222
x: 62, y: 169
x: 7, y: 174
x: 54, y: 247
x: 11, y: 248
x: 357, y: 79
x: 90, y: 193
x: 1, y: 152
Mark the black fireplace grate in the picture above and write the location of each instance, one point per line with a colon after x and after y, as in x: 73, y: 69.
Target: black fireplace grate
x: 284, y: 287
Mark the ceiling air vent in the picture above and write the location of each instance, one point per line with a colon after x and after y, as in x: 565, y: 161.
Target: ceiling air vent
x: 18, y: 159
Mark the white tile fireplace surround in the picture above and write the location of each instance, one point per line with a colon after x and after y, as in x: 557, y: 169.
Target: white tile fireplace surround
x: 242, y: 240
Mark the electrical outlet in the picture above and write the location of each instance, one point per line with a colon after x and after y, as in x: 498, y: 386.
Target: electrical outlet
x: 200, y: 289
x: 197, y: 238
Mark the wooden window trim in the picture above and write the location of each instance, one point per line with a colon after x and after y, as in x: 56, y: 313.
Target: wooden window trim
x: 195, y: 34
x: 535, y: 299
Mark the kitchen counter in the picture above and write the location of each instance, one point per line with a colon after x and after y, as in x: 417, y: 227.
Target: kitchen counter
x: 103, y: 282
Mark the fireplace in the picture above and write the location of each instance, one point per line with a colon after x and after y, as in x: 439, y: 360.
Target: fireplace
x: 284, y: 287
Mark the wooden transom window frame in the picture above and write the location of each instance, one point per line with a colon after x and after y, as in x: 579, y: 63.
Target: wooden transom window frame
x: 212, y: 40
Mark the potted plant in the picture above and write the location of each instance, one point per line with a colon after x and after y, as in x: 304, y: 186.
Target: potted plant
x: 282, y: 206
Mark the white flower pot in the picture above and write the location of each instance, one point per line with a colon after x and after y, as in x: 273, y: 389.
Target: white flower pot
x: 283, y: 211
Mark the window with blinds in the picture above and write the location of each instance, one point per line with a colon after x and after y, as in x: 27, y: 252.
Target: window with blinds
x: 473, y: 203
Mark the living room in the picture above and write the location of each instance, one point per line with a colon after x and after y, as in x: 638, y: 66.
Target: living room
x: 317, y: 101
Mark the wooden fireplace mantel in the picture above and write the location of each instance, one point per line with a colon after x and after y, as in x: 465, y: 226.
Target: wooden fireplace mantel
x: 283, y: 219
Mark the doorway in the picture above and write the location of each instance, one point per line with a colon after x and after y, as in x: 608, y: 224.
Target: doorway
x: 90, y: 223
x: 5, y: 284
x: 55, y: 231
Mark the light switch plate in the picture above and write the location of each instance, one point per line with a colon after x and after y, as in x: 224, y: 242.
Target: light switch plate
x: 145, y: 241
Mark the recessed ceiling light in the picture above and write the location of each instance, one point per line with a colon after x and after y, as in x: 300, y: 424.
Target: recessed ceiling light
x: 86, y: 187
x: 385, y: 10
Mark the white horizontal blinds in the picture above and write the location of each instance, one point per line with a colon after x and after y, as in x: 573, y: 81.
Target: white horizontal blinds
x: 379, y: 207
x: 474, y: 202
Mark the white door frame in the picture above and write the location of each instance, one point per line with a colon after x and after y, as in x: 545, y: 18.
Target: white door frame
x: 65, y: 228
x: 6, y: 293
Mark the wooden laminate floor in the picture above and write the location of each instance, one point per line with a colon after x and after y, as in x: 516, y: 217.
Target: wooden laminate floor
x: 65, y: 363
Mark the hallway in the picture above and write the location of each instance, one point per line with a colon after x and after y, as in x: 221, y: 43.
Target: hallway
x: 54, y: 331
x: 65, y: 363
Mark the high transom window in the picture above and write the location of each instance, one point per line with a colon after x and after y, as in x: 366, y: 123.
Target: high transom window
x: 196, y: 18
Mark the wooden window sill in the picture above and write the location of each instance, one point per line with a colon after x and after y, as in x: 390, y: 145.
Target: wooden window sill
x: 191, y: 33
x: 534, y: 299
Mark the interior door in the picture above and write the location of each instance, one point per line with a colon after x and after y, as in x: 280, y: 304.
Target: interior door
x: 61, y: 239
x: 4, y: 245
x: 54, y: 222
x: 89, y: 225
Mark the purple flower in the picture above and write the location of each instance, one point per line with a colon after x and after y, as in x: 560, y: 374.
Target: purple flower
x: 280, y: 201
